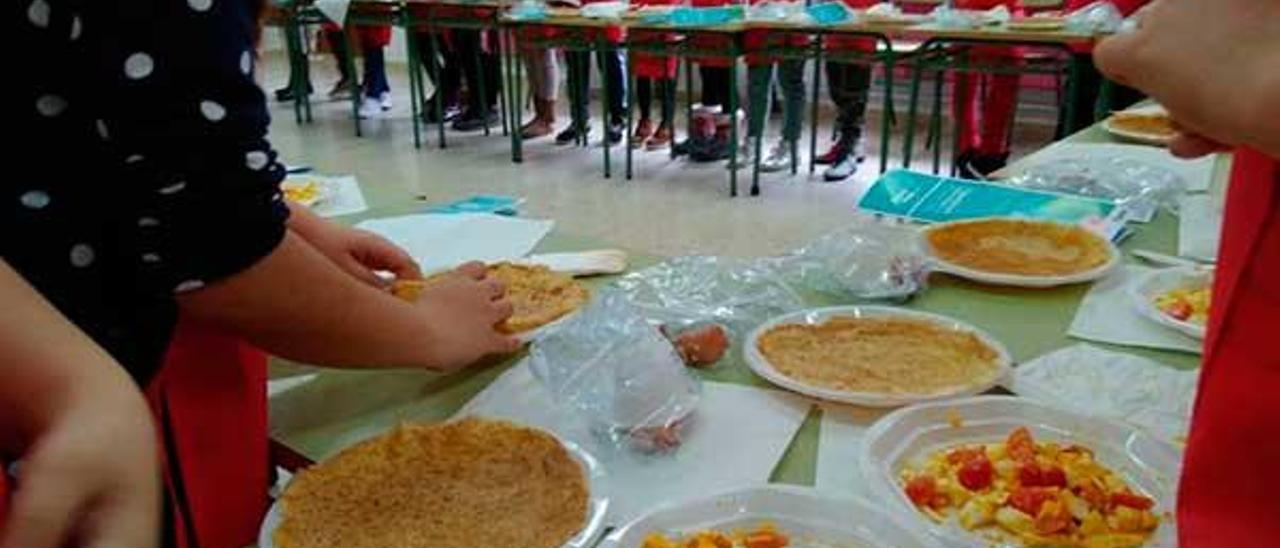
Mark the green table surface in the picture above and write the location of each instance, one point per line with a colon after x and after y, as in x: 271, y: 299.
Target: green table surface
x: 336, y: 408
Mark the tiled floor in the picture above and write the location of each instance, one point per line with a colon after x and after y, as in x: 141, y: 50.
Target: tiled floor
x: 670, y: 208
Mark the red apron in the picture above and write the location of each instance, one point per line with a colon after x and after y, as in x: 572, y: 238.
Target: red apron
x: 710, y: 41
x: 1230, y: 489
x: 210, y: 403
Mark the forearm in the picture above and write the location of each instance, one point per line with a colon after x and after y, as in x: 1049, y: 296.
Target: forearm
x: 45, y: 363
x: 298, y: 304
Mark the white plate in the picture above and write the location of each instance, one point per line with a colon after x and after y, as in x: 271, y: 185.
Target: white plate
x: 1109, y: 126
x: 1144, y: 292
x: 801, y: 513
x: 1148, y: 465
x: 597, y: 508
x: 761, y: 366
x: 1018, y: 280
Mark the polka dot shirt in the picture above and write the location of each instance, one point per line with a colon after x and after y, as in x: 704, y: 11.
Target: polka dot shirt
x: 141, y: 168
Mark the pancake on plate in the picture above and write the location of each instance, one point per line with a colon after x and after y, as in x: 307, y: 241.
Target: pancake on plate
x: 540, y: 296
x: 1019, y: 247
x: 463, y: 484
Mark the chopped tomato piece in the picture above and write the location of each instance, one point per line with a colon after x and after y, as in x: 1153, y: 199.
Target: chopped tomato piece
x: 923, y: 490
x: 1132, y: 500
x: 1034, y: 475
x: 976, y: 474
x: 962, y: 455
x: 765, y: 539
x: 1180, y: 310
x: 1020, y: 446
x: 1029, y: 500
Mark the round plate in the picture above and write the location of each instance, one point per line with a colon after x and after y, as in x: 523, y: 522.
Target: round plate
x: 801, y: 513
x: 1145, y: 138
x: 1148, y: 465
x: 597, y: 507
x: 1145, y: 291
x: 1018, y: 280
x: 761, y: 366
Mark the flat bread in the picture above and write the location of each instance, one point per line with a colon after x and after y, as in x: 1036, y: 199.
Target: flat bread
x: 464, y: 484
x: 538, y: 294
x: 1156, y: 125
x: 879, y: 355
x: 1019, y: 247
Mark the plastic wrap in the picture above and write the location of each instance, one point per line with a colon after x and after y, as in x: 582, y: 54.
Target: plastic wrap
x: 869, y: 259
x: 688, y: 291
x: 1131, y: 184
x: 529, y: 10
x: 948, y: 17
x: 618, y: 373
x: 1096, y: 17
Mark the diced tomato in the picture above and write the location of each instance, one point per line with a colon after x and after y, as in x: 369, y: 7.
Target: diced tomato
x: 1029, y: 500
x: 1020, y: 446
x: 962, y: 455
x: 765, y: 539
x: 1034, y: 475
x: 922, y: 490
x: 1180, y: 310
x: 1132, y: 500
x: 976, y: 474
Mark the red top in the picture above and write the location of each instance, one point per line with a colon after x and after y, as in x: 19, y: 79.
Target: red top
x: 1230, y: 489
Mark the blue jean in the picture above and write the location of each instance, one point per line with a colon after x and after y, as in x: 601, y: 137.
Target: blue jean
x: 375, y: 73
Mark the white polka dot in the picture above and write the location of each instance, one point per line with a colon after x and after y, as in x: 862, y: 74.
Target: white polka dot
x: 189, y: 285
x: 246, y: 63
x: 81, y: 255
x: 34, y: 199
x: 38, y: 13
x: 212, y: 111
x: 173, y: 188
x: 134, y: 158
x: 101, y: 125
x: 51, y: 105
x: 76, y: 28
x: 200, y: 5
x: 150, y: 258
x: 256, y: 160
x: 139, y: 66
x: 148, y: 222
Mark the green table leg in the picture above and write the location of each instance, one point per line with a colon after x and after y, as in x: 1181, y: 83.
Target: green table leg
x: 351, y: 69
x: 887, y: 117
x: 415, y: 77
x: 935, y: 121
x: 293, y: 50
x: 813, y: 107
x: 435, y: 78
x: 912, y: 108
x: 517, y: 144
x: 604, y: 105
x: 757, y: 105
x: 631, y: 86
x: 733, y: 125
x: 688, y: 103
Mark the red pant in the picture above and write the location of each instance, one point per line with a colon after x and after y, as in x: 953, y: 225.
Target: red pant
x: 989, y: 132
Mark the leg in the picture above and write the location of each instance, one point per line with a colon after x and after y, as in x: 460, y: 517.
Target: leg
x: 375, y: 73
x: 644, y: 96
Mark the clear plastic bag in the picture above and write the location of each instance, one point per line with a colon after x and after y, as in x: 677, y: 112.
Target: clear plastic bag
x: 687, y: 291
x: 1134, y: 185
x: 1096, y: 17
x: 618, y: 373
x: 869, y: 259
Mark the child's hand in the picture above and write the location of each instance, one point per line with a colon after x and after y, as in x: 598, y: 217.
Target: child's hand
x: 462, y: 310
x: 90, y: 478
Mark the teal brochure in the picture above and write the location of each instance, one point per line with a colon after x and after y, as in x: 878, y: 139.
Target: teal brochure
x: 930, y: 198
x: 498, y: 205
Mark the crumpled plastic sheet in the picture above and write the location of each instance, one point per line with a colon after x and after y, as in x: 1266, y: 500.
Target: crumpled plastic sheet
x: 617, y: 372
x: 1129, y: 183
x: 868, y: 259
x: 1096, y: 17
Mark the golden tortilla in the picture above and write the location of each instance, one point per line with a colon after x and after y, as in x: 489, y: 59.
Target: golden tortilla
x: 538, y: 294
x: 1019, y: 247
x: 464, y: 484
x: 879, y: 355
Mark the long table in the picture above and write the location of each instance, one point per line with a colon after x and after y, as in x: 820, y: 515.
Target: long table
x: 331, y: 409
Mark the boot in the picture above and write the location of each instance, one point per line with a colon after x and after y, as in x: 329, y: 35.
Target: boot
x: 543, y: 120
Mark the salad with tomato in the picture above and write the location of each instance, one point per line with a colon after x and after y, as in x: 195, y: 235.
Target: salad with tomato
x: 1032, y: 493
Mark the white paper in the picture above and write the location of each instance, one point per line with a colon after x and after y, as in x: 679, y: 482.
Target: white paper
x: 335, y: 10
x: 839, y: 444
x: 1087, y: 379
x: 737, y: 437
x: 1199, y: 227
x: 441, y: 241
x: 342, y: 194
x: 1108, y: 314
x: 1197, y: 173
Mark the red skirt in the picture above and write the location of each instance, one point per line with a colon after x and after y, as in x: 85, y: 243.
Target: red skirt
x: 648, y: 65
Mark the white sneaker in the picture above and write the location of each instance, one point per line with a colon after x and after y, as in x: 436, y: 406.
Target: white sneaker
x: 384, y: 100
x: 841, y: 170
x: 778, y: 158
x: 370, y: 108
